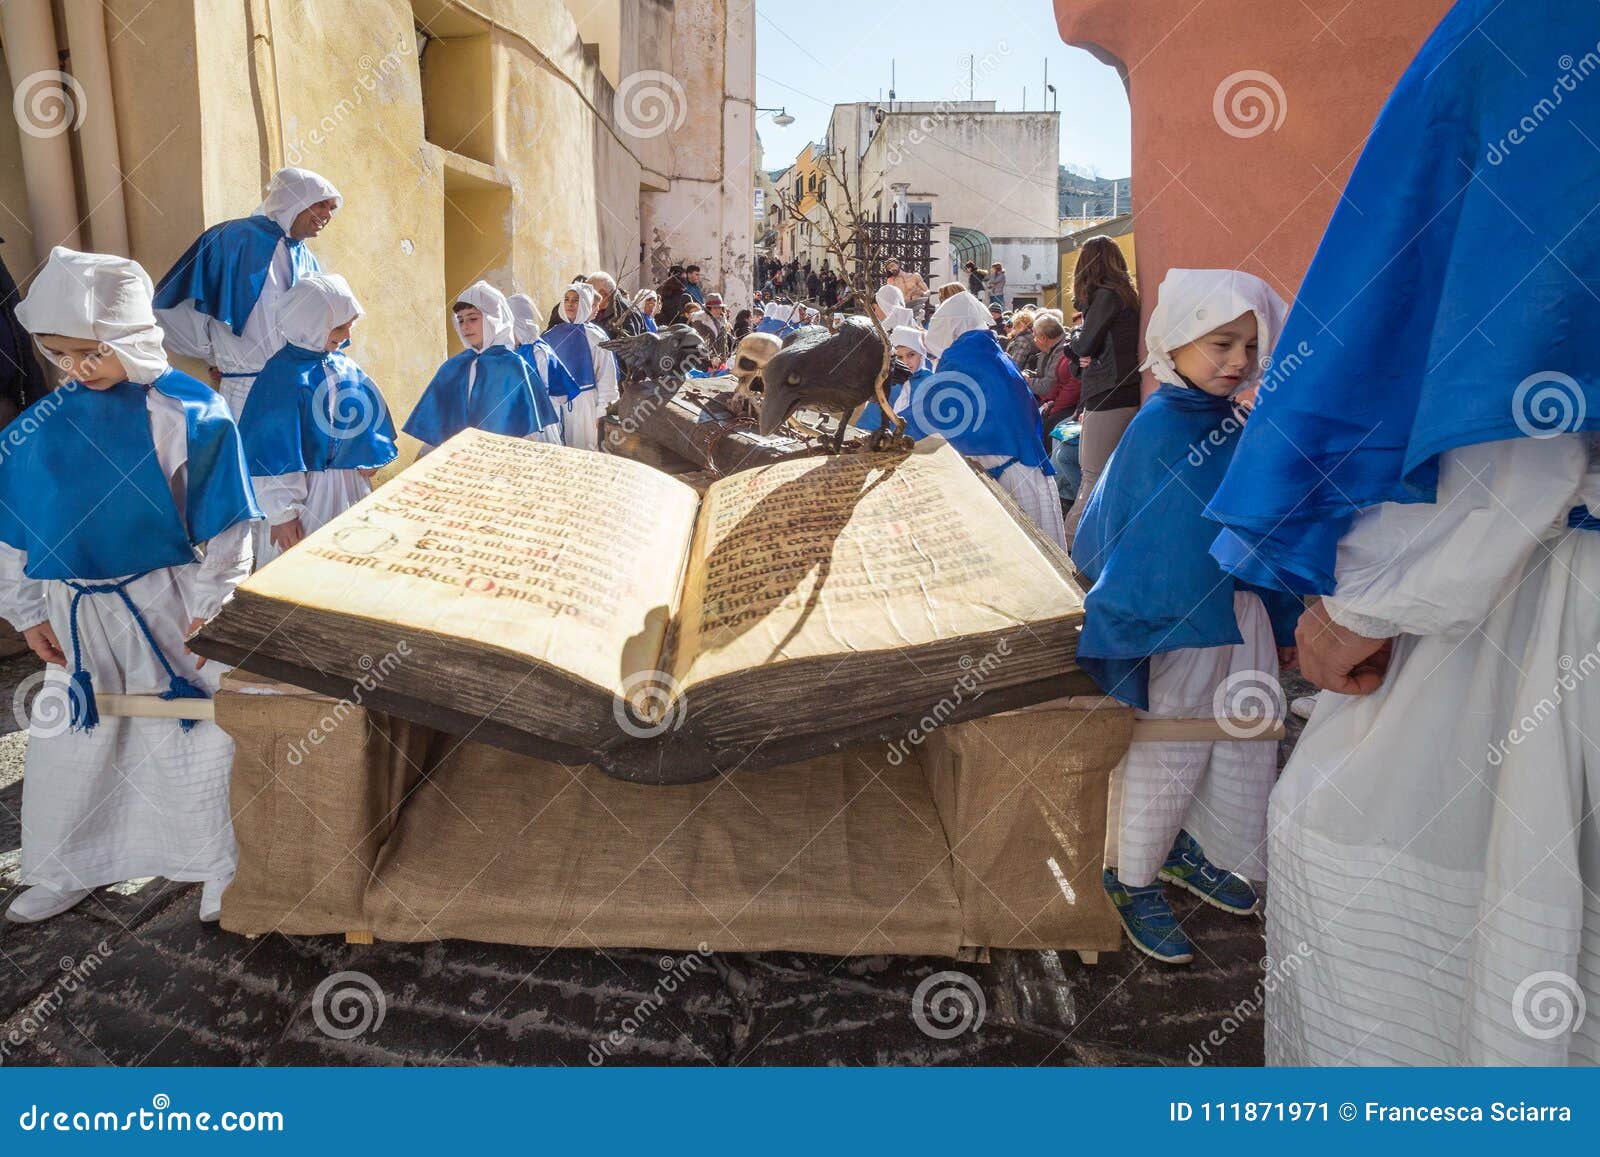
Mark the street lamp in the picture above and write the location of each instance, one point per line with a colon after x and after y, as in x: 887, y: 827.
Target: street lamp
x: 783, y: 120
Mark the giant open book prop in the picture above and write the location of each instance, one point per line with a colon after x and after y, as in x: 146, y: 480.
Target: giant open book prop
x: 589, y: 609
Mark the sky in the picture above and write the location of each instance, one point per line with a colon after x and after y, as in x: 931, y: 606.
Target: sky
x: 813, y: 54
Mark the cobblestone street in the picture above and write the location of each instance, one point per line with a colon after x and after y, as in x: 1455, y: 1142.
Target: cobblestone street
x: 131, y: 977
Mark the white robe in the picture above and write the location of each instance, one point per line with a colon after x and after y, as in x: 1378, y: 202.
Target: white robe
x: 1216, y: 791
x: 541, y: 365
x: 1034, y: 491
x: 134, y: 797
x: 315, y: 497
x: 1434, y: 846
x: 580, y: 416
x: 196, y: 335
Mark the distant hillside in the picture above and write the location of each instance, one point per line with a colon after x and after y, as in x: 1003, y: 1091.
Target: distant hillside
x: 1105, y: 196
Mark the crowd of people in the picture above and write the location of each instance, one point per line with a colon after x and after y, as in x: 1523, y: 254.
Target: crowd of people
x: 1424, y: 551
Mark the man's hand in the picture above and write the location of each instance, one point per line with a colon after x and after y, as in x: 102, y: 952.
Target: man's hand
x: 45, y: 644
x: 1338, y: 659
x: 286, y: 534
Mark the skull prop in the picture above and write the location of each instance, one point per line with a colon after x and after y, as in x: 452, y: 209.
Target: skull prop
x: 754, y: 351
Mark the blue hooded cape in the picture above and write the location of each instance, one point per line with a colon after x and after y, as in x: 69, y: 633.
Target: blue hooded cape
x: 977, y: 400
x: 287, y: 426
x: 506, y: 398
x: 872, y: 416
x: 570, y: 341
x: 561, y: 384
x: 85, y: 496
x: 775, y: 327
x: 1453, y: 298
x: 224, y: 270
x: 1143, y: 543
x: 650, y: 324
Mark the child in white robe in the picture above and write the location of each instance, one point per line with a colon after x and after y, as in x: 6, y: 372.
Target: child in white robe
x: 125, y: 519
x: 547, y: 367
x: 1168, y: 632
x: 577, y: 343
x: 315, y: 427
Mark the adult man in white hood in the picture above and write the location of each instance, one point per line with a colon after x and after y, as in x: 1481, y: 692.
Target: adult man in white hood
x: 219, y: 302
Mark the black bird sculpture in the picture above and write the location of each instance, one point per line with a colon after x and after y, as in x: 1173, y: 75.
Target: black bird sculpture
x: 830, y: 372
x: 658, y: 357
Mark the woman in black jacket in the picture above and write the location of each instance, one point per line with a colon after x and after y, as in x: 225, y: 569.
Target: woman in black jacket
x: 1108, y: 348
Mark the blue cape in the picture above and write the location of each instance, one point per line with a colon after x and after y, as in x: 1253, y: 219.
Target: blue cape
x: 1451, y: 302
x: 287, y: 427
x: 1143, y: 543
x: 976, y: 399
x: 506, y: 398
x: 224, y: 270
x: 561, y: 383
x: 84, y: 494
x: 872, y: 417
x: 570, y: 340
x: 773, y: 326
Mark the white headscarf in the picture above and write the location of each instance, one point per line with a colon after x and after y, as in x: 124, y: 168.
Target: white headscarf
x: 498, y: 326
x: 524, y: 318
x: 293, y: 191
x: 313, y: 307
x: 586, y: 299
x: 959, y: 313
x: 98, y: 297
x: 893, y: 304
x: 1193, y: 302
x: 910, y: 337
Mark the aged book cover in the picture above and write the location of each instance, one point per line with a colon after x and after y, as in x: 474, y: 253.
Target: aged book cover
x: 590, y: 609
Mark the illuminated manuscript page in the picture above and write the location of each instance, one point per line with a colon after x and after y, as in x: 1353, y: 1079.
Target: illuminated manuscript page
x: 563, y: 555
x: 911, y: 554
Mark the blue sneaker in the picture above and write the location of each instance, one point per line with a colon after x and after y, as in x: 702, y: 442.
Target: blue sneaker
x: 1188, y: 868
x: 1149, y: 920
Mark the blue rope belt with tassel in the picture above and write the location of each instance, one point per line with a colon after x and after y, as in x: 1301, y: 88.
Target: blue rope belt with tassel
x: 85, y: 715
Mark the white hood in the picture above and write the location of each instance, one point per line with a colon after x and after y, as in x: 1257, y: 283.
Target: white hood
x: 498, y: 326
x: 98, y: 297
x: 313, y: 307
x: 1193, y: 302
x: 293, y: 191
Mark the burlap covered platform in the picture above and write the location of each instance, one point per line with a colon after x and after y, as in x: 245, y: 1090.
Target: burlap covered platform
x: 989, y: 834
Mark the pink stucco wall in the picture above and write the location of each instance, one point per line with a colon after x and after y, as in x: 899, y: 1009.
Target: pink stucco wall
x: 1256, y: 198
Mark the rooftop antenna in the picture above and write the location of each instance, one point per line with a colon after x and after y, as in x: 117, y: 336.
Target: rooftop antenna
x: 891, y: 84
x: 972, y: 90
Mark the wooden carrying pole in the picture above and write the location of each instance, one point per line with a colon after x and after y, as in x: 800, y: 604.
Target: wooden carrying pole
x: 1144, y: 730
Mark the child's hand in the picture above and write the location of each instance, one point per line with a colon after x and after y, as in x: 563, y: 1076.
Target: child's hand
x: 1337, y: 658
x: 1288, y: 657
x: 286, y: 534
x: 215, y: 375
x: 190, y: 632
x: 45, y: 644
x: 367, y: 474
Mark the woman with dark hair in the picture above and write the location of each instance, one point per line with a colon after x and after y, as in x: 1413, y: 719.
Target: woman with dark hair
x: 1108, y: 351
x: 741, y: 324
